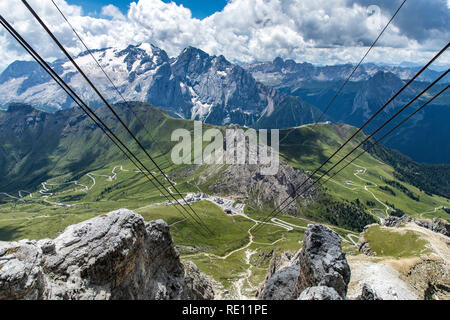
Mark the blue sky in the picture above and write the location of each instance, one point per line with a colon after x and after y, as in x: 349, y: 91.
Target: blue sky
x: 199, y: 8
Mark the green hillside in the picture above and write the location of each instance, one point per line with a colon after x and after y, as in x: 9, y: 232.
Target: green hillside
x: 59, y: 169
x: 423, y: 138
x: 368, y: 181
x: 64, y: 147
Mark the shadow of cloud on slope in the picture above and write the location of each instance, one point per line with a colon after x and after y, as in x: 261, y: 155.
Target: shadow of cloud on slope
x: 296, y: 145
x: 9, y: 233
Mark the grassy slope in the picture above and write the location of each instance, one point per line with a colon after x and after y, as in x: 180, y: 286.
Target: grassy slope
x: 412, y: 138
x: 385, y: 242
x: 307, y: 147
x: 433, y: 179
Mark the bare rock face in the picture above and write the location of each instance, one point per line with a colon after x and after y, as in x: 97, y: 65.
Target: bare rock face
x: 364, y: 247
x: 246, y: 181
x: 113, y: 256
x: 281, y: 277
x: 431, y: 279
x: 395, y: 222
x: 197, y: 285
x: 281, y: 286
x: 319, y: 271
x: 436, y: 225
x: 319, y: 293
x: 280, y: 261
x: 363, y: 244
x: 322, y: 261
x: 20, y: 273
x: 251, y: 179
x: 367, y: 293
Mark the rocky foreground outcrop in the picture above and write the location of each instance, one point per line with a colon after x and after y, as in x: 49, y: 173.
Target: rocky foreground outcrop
x: 113, y: 256
x: 319, y: 271
x: 281, y: 278
x: 322, y: 261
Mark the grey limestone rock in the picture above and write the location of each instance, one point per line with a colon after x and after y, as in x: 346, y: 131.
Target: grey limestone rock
x: 436, y: 225
x: 319, y: 271
x: 319, y: 293
x: 112, y: 256
x: 393, y: 221
x: 368, y: 293
x: 322, y: 261
x: 281, y: 286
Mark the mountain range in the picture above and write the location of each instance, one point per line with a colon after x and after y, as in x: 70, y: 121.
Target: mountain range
x: 423, y: 138
x: 193, y: 85
x: 288, y: 73
x: 277, y: 94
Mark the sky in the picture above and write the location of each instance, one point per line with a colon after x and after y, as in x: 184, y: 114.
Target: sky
x: 200, y: 8
x: 244, y: 31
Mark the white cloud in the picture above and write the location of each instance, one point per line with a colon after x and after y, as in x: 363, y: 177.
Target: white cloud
x: 113, y: 12
x: 319, y: 31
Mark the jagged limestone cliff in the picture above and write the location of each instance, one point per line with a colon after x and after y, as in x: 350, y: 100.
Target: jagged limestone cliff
x: 319, y: 271
x: 112, y: 256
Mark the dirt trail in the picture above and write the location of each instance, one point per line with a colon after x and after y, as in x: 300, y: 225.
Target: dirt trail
x: 357, y: 173
x: 383, y: 278
x: 238, y: 286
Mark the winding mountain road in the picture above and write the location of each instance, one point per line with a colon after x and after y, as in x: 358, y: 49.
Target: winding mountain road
x: 361, y: 171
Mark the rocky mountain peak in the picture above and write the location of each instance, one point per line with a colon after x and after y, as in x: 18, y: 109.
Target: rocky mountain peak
x: 278, y: 63
x: 291, y: 64
x: 290, y: 74
x: 112, y: 256
x: 221, y: 60
x: 191, y: 51
x: 376, y: 91
x: 245, y: 181
x: 193, y: 85
x: 319, y: 271
x: 144, y: 54
x: 191, y: 60
x: 25, y: 73
x: 18, y: 69
x: 322, y: 261
x: 385, y: 78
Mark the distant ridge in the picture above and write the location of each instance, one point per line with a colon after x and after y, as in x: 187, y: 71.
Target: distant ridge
x: 193, y: 85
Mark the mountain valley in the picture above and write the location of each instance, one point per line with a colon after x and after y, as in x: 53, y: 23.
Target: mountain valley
x: 423, y: 138
x: 74, y: 183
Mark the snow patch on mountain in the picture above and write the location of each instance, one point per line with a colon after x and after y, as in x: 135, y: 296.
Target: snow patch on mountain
x: 193, y: 85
